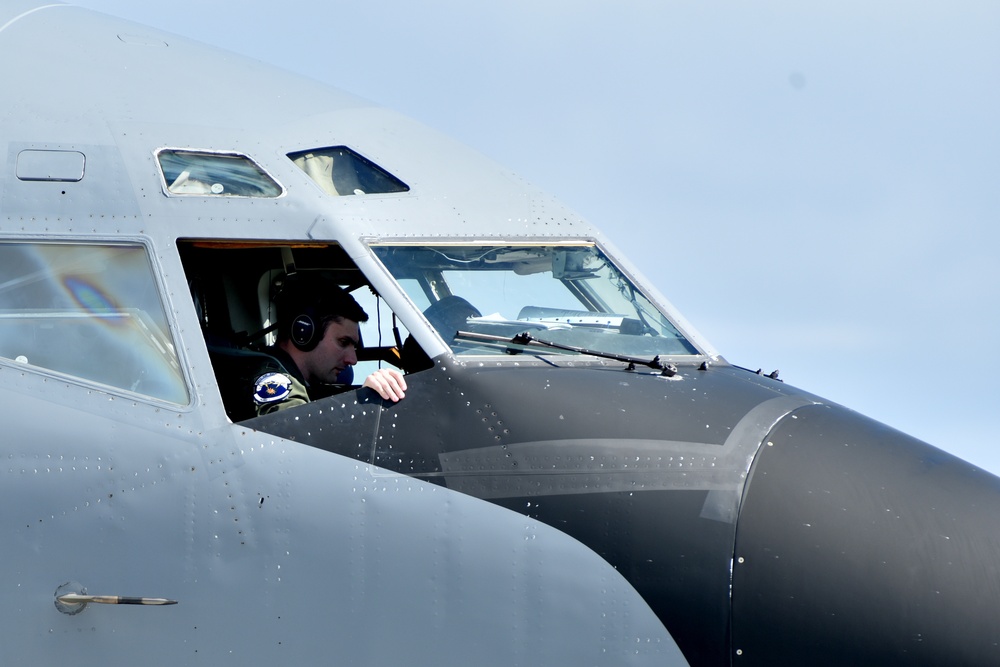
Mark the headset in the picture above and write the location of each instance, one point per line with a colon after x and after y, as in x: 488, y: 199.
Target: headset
x: 306, y: 329
x: 305, y: 332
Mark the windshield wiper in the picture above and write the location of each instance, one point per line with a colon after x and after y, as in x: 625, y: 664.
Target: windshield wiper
x: 527, y: 340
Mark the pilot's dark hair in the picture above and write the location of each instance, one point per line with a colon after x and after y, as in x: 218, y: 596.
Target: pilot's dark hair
x: 306, y: 304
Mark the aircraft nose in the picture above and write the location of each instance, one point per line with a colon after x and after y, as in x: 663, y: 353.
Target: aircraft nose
x: 864, y: 546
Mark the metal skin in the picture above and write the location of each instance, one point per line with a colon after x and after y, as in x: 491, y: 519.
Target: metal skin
x: 645, y: 470
x: 865, y: 546
x: 854, y: 544
x: 513, y: 509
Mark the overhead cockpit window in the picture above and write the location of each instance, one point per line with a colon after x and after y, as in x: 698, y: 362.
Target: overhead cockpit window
x: 340, y: 171
x: 480, y: 298
x: 90, y: 311
x: 210, y: 174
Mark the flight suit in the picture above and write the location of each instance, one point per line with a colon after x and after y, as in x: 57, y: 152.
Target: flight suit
x: 257, y: 383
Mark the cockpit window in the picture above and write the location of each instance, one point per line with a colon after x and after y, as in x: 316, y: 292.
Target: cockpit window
x: 89, y: 311
x: 340, y: 171
x: 210, y: 174
x: 480, y: 297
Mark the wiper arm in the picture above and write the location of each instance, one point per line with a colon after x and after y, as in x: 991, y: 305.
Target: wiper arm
x: 527, y: 340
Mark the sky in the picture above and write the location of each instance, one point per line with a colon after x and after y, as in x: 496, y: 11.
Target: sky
x: 815, y: 186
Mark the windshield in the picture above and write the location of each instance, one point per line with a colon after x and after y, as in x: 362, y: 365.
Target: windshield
x: 568, y: 295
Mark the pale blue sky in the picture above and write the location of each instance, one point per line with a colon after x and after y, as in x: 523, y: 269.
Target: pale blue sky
x: 814, y: 187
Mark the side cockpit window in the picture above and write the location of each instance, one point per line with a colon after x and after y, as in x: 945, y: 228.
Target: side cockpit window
x: 213, y: 174
x: 239, y: 289
x: 339, y: 171
x: 88, y: 311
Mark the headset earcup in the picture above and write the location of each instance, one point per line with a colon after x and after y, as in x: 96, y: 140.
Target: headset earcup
x: 303, y: 333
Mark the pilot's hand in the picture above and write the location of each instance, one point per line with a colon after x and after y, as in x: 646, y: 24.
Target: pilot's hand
x: 388, y: 382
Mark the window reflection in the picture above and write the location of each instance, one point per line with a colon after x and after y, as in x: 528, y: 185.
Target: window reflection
x: 89, y: 311
x: 188, y: 172
x: 339, y: 171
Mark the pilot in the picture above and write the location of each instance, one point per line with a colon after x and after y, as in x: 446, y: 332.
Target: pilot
x: 318, y: 337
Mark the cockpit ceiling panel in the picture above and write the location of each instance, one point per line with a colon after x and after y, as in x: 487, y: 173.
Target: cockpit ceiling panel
x: 339, y: 171
x: 214, y: 174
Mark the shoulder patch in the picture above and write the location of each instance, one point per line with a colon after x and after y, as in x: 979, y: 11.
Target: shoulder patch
x: 271, y: 388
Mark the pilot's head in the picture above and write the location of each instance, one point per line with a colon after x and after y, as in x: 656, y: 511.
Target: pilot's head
x: 318, y: 327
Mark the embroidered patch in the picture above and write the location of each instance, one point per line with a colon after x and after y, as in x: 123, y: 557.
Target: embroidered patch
x: 271, y: 388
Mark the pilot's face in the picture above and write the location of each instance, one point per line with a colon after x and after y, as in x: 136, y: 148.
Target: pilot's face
x: 336, y: 351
